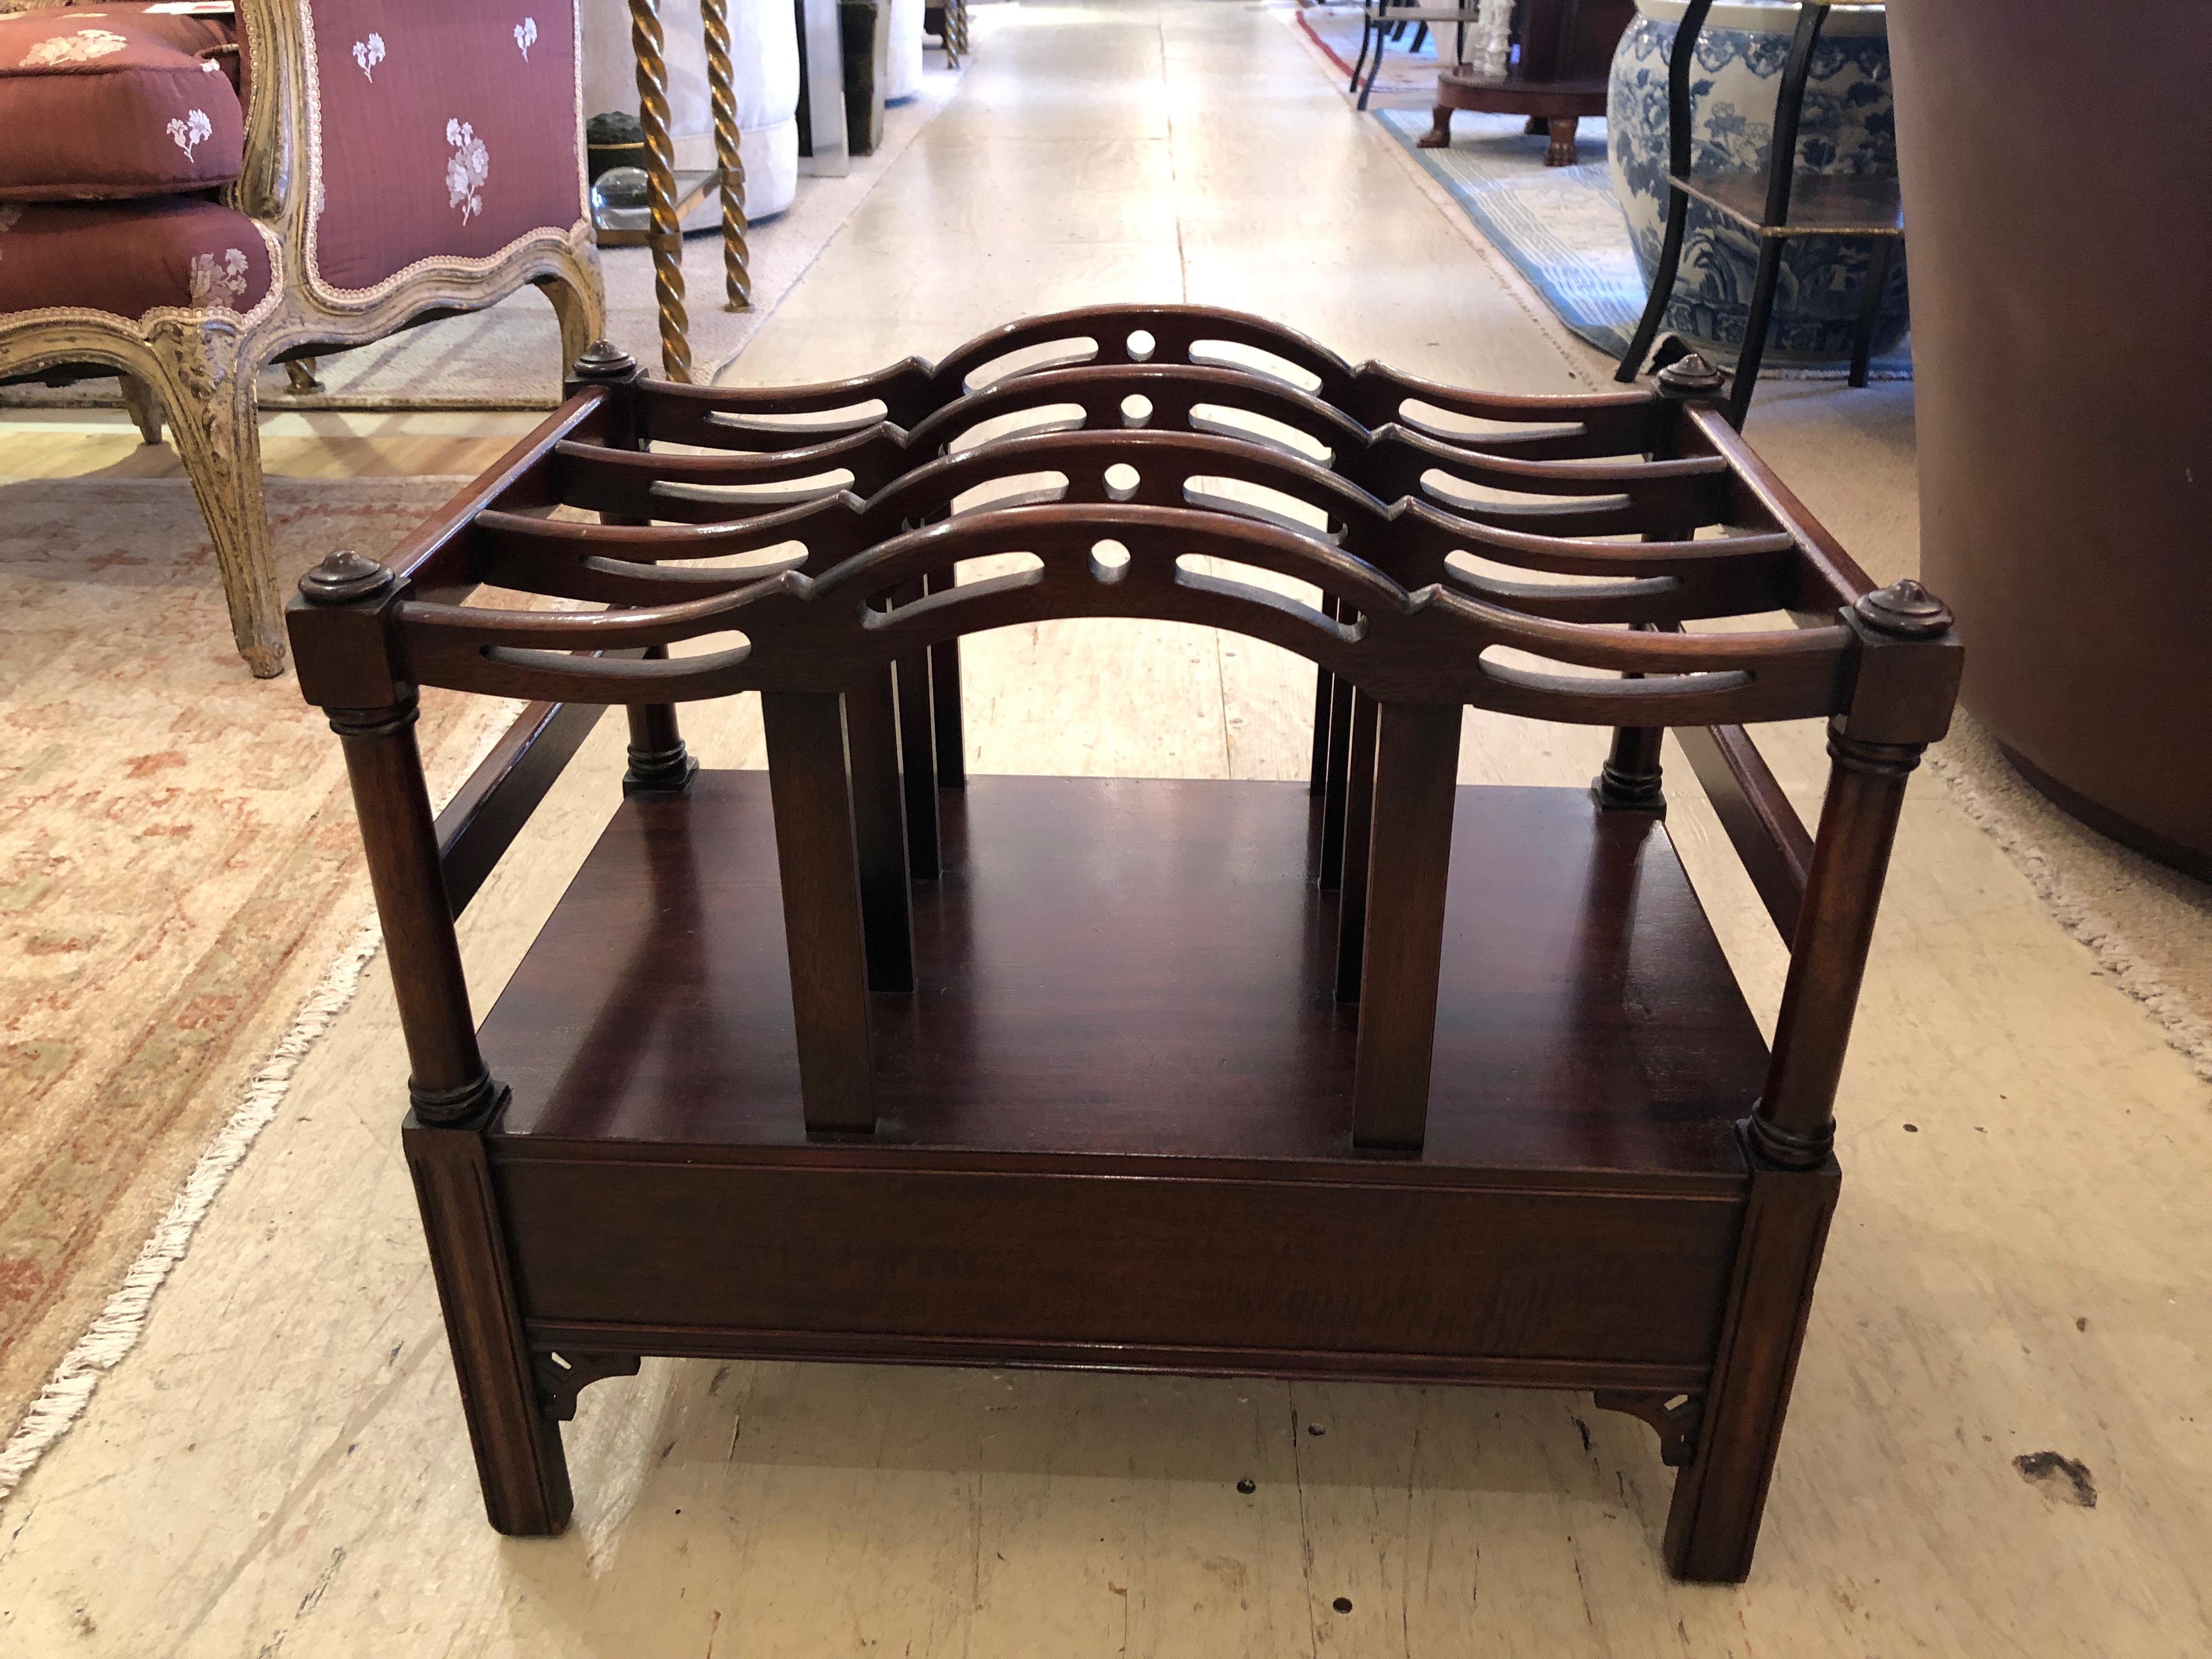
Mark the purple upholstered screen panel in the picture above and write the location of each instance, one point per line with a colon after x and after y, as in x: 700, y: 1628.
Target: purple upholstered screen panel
x: 444, y: 129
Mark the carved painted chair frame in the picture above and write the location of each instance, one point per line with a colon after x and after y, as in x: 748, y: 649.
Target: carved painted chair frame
x: 199, y: 370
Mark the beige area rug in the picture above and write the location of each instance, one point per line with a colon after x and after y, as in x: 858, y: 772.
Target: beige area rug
x: 179, y: 874
x: 508, y: 356
x: 2149, y: 928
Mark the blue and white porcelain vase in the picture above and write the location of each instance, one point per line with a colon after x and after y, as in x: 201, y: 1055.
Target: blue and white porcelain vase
x: 1848, y: 127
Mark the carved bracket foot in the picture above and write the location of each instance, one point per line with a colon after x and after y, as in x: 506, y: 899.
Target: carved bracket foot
x: 1675, y: 1416
x: 563, y: 1376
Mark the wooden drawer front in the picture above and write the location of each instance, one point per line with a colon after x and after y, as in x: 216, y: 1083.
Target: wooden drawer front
x: 1167, y: 1263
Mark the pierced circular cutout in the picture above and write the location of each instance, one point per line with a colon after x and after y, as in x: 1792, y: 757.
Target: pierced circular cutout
x: 1109, y: 560
x: 1136, y: 409
x: 1141, y: 347
x: 1121, y: 480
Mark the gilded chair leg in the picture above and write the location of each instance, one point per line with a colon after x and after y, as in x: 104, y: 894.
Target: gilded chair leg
x: 578, y: 300
x: 144, y: 406
x: 215, y: 419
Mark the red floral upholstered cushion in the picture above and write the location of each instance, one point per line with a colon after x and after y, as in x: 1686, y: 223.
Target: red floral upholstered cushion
x: 129, y: 257
x: 100, y: 102
x: 447, y: 129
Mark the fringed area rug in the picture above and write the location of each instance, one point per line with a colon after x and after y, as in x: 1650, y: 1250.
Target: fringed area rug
x: 182, y: 904
x: 2149, y: 926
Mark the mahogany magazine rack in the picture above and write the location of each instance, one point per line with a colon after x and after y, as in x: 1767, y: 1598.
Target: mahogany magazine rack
x: 1371, y: 1076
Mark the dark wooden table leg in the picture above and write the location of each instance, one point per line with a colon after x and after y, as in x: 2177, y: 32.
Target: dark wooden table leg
x: 1562, y: 154
x: 1409, y: 858
x: 823, y: 931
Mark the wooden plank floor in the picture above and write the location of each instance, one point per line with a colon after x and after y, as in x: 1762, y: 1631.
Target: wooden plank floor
x: 2022, y: 1263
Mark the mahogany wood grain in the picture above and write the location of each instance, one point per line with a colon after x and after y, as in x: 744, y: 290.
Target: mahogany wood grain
x: 1190, y: 1022
x: 1359, y: 841
x: 946, y: 722
x: 1416, y: 762
x: 1712, y: 1525
x: 519, y: 1465
x: 820, y: 883
x: 917, y: 737
x: 879, y: 831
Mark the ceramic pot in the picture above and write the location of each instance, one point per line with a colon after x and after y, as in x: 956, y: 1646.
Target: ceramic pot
x: 1848, y: 127
x: 2063, y: 362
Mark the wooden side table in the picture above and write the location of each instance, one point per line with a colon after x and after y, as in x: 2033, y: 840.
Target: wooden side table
x: 1558, y: 76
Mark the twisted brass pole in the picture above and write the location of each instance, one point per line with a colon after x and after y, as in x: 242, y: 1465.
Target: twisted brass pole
x: 956, y: 14
x: 723, y: 94
x: 666, y: 234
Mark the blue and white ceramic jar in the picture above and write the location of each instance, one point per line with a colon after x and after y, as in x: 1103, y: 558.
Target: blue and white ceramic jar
x: 1848, y: 127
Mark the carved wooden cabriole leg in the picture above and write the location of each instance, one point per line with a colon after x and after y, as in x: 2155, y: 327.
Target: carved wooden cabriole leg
x: 579, y: 300
x: 300, y: 375
x: 210, y: 387
x: 144, y: 405
x: 1561, y: 152
x: 1438, y: 137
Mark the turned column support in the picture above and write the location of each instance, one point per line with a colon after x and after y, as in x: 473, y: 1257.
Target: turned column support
x: 659, y: 764
x: 447, y: 1083
x: 1900, y: 701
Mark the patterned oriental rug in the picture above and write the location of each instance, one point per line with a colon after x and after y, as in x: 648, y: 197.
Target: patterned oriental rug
x: 181, y: 897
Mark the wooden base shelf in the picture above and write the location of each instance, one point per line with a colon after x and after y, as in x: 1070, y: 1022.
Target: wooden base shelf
x: 1141, y: 967
x: 1593, y: 1057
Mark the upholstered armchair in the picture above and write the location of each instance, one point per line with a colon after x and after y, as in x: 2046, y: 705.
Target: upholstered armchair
x: 184, y: 202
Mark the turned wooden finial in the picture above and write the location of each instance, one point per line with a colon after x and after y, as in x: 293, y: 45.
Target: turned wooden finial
x: 1691, y: 377
x: 604, y: 361
x: 1905, y: 609
x: 343, y: 577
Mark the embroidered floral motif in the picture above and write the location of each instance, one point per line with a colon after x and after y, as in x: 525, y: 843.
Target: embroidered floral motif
x: 214, y: 286
x: 191, y: 130
x: 79, y: 48
x: 466, y: 168
x: 368, y: 54
x: 525, y: 36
